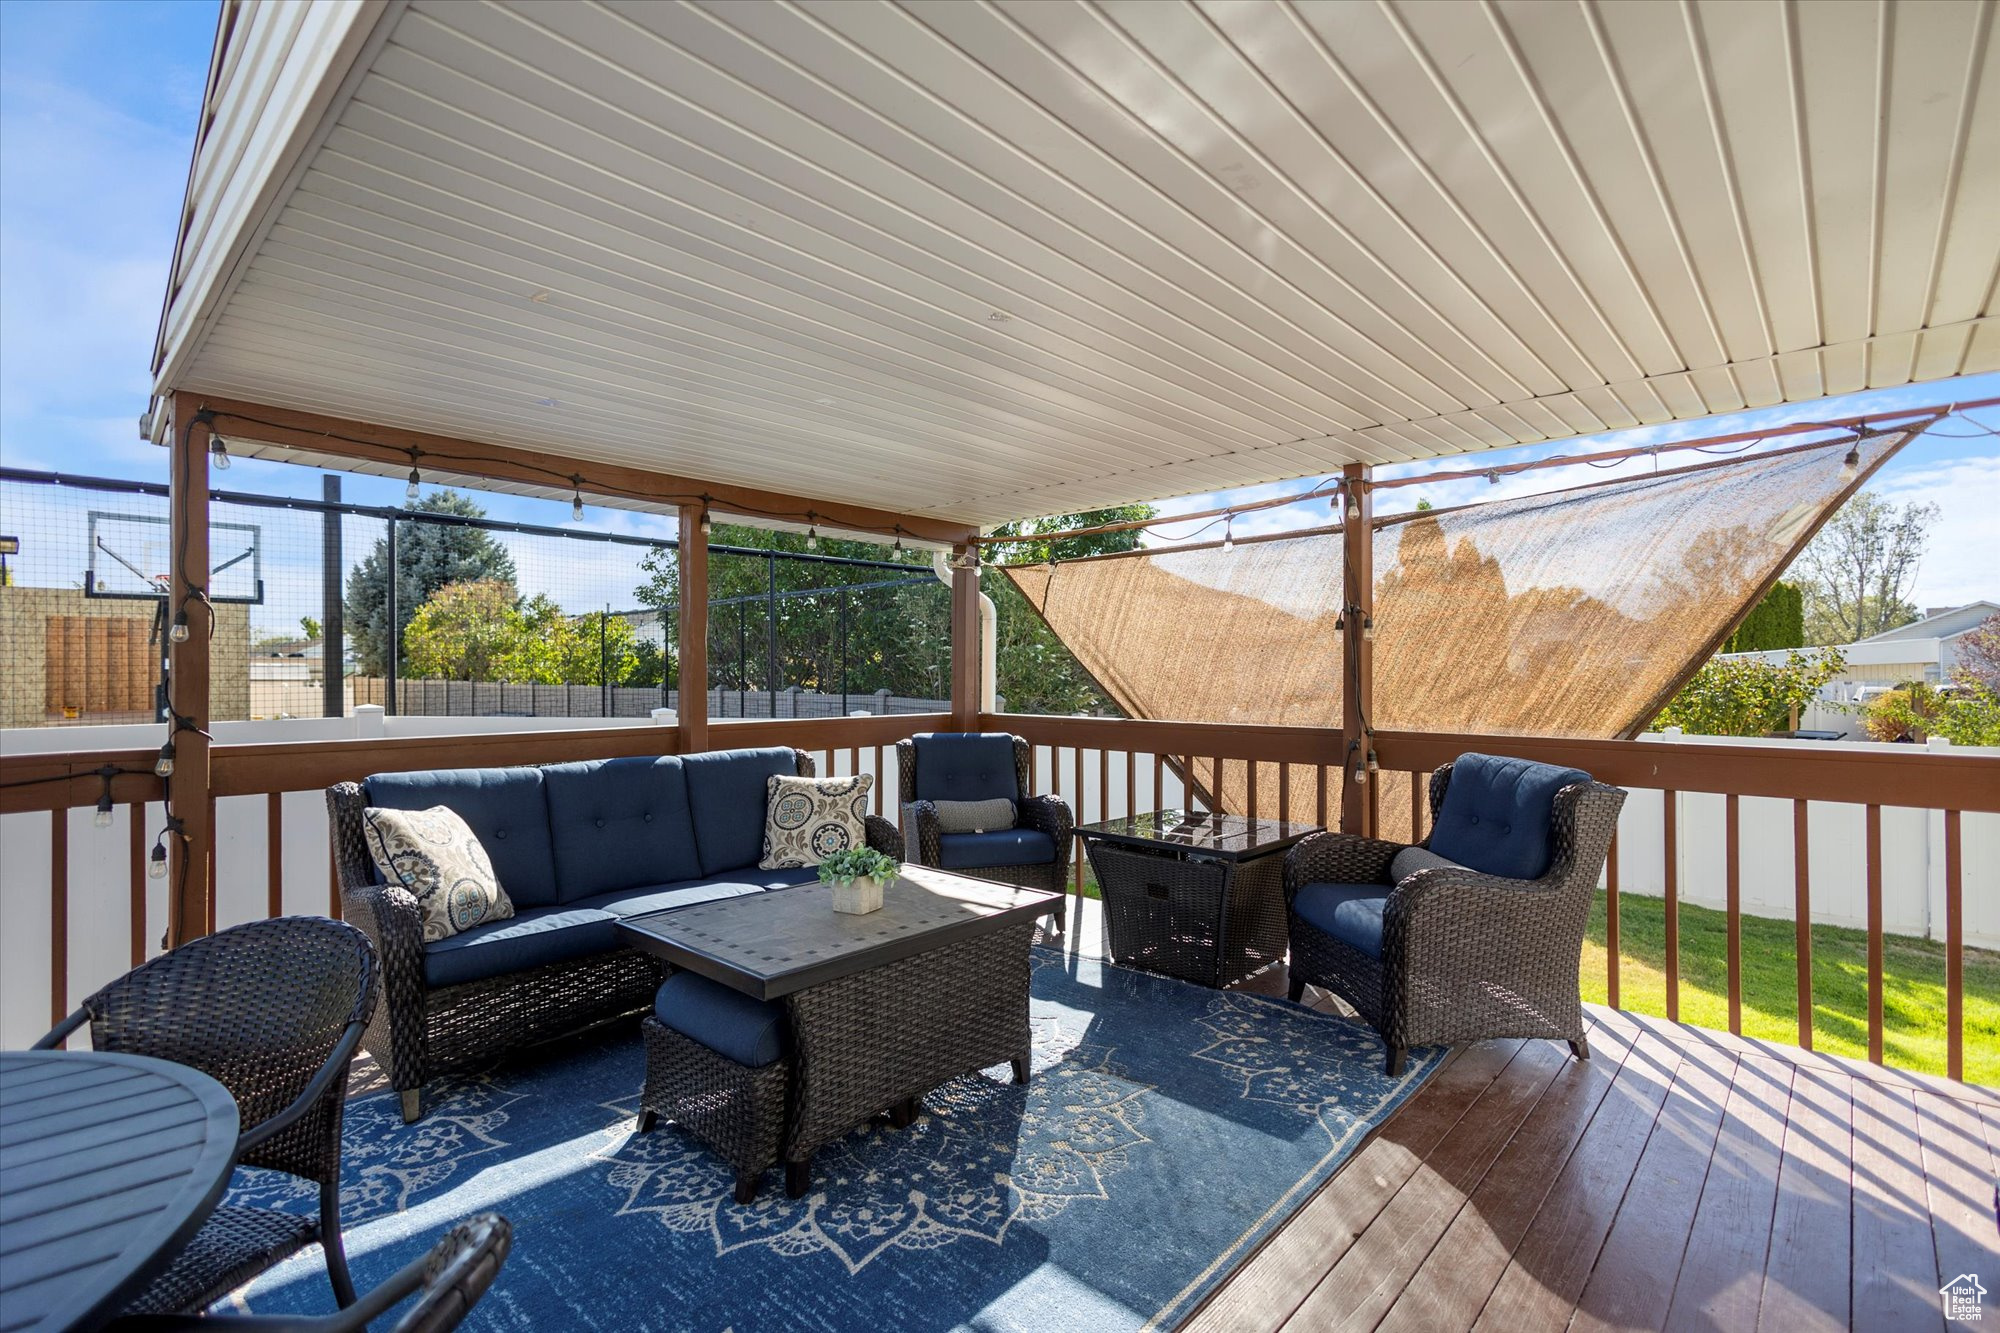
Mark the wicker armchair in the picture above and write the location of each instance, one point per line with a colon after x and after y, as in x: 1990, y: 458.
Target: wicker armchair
x: 422, y: 1031
x: 1463, y: 955
x: 274, y: 1011
x: 922, y: 841
x: 451, y: 1278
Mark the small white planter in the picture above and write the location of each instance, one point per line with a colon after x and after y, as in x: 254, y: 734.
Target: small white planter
x: 858, y: 898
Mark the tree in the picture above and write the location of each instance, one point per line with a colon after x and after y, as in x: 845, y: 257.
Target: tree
x: 1979, y: 656
x: 1778, y: 621
x: 547, y: 647
x: 310, y: 628
x: 1857, y: 573
x: 462, y: 632
x: 1749, y: 697
x: 428, y: 557
x: 1966, y: 713
x: 1037, y: 674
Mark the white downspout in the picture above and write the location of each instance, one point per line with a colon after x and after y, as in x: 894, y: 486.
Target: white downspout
x: 989, y: 624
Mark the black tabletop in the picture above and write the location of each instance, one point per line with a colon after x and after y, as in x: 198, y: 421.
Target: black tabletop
x: 770, y: 944
x: 1231, y: 837
x: 108, y: 1165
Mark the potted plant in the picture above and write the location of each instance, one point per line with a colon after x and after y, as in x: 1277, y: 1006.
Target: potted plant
x: 858, y: 876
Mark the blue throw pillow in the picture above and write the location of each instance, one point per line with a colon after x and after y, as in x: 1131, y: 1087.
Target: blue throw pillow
x: 1496, y: 814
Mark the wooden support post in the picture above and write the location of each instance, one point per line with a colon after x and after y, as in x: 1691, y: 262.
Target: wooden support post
x: 1357, y: 651
x: 187, y: 663
x: 965, y: 683
x: 693, y: 557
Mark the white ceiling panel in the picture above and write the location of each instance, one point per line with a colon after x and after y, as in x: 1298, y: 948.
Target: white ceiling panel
x: 987, y: 261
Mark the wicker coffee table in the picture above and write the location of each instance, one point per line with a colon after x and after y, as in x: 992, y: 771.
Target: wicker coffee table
x: 1196, y: 896
x: 882, y: 1007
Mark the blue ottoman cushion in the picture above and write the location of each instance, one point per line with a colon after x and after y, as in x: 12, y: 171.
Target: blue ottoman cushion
x: 728, y: 1022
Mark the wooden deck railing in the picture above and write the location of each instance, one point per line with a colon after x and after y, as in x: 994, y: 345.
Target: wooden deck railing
x: 1107, y: 768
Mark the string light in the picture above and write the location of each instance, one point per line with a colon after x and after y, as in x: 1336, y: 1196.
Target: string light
x: 218, y: 451
x: 103, y: 816
x: 164, y: 766
x: 1850, y: 466
x: 812, y: 531
x: 1493, y: 478
x: 1353, y: 508
x: 707, y: 524
x: 416, y: 480
x: 576, y: 500
x: 179, y: 632
x: 1229, y: 534
x: 156, y: 864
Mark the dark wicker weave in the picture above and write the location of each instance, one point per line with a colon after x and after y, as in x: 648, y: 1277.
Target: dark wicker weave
x: 1212, y: 922
x: 918, y: 839
x: 452, y: 1277
x: 420, y: 1032
x: 1465, y: 956
x: 274, y: 1011
x: 734, y: 1109
x: 858, y: 1052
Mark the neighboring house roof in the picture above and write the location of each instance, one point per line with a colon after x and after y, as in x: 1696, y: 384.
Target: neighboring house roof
x: 1947, y: 624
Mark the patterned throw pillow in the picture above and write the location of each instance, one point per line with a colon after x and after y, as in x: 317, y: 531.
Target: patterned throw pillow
x: 807, y: 820
x: 975, y: 816
x: 434, y: 855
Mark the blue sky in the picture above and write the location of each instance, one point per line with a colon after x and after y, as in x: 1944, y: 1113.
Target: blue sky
x: 97, y: 112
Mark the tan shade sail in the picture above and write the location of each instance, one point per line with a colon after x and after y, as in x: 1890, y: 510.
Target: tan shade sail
x: 1574, y: 613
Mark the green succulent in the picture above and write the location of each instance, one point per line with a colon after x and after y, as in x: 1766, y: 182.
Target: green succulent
x: 857, y: 863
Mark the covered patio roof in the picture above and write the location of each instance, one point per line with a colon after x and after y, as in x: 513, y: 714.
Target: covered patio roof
x: 984, y: 262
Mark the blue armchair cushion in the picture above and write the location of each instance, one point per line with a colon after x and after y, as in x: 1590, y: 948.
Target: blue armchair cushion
x: 1002, y: 847
x: 507, y: 810
x: 619, y: 824
x: 1497, y: 814
x: 531, y: 939
x: 726, y: 792
x: 730, y: 1023
x: 686, y: 893
x: 965, y: 766
x: 1351, y: 913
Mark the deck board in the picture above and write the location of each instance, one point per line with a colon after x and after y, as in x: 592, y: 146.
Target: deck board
x: 1806, y: 1286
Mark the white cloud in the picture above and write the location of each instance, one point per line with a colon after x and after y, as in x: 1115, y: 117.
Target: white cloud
x: 1963, y: 561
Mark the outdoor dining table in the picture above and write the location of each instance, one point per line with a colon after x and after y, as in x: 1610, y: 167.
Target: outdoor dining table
x: 109, y: 1164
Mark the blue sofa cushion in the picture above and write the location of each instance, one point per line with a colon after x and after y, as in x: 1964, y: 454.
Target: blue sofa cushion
x: 1351, y: 913
x: 686, y: 893
x: 531, y: 939
x: 619, y: 824
x: 507, y: 810
x: 727, y: 794
x: 730, y: 1023
x: 1002, y: 847
x: 1496, y: 814
x: 966, y: 766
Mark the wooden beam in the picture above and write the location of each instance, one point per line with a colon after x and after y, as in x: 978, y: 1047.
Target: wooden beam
x: 1357, y: 649
x: 693, y: 556
x: 329, y: 437
x: 965, y: 701
x: 188, y: 668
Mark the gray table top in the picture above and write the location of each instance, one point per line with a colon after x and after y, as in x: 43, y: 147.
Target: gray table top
x: 1229, y: 837
x: 768, y: 945
x: 108, y: 1165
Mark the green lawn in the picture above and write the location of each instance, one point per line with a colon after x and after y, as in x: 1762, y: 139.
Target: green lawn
x: 1913, y: 1035
x: 1912, y: 984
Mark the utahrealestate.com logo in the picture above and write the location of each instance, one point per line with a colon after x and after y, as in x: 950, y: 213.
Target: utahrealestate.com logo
x: 1961, y: 1298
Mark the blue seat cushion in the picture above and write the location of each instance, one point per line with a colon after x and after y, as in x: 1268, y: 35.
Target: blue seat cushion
x: 966, y: 766
x: 727, y: 794
x: 686, y: 893
x: 730, y: 1023
x: 507, y: 810
x: 530, y: 939
x: 619, y: 824
x: 1001, y: 847
x: 1497, y: 814
x: 1351, y: 913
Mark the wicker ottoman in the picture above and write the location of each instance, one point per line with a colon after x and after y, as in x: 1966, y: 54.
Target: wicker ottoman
x: 737, y: 1109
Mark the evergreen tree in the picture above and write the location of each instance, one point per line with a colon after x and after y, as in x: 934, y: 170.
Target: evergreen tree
x: 428, y: 557
x: 1778, y: 621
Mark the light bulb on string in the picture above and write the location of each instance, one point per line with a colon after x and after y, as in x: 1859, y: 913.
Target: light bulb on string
x: 707, y: 524
x: 179, y: 632
x: 218, y: 452
x: 164, y: 765
x: 576, y: 500
x: 812, y: 538
x: 1850, y: 466
x: 1229, y: 534
x: 410, y: 491
x: 102, y: 818
x: 156, y: 864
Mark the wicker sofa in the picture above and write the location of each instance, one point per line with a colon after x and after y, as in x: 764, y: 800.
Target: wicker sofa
x: 972, y: 766
x: 1474, y: 933
x: 576, y: 847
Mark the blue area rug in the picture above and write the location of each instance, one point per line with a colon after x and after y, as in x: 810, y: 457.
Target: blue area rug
x: 1166, y: 1131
